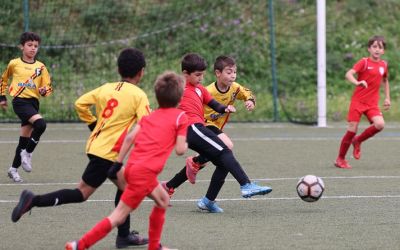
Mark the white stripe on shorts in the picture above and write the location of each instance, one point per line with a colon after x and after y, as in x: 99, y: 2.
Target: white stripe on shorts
x: 207, y: 139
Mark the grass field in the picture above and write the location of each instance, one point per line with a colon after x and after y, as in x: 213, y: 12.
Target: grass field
x: 360, y: 208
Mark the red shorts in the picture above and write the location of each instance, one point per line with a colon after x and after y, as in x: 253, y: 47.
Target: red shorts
x: 140, y: 183
x: 357, y: 109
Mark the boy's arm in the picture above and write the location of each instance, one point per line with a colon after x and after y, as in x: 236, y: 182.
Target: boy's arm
x: 221, y: 108
x: 126, y: 146
x: 82, y: 107
x: 386, y: 102
x: 181, y: 145
x: 350, y: 77
x: 3, y: 88
x: 46, y: 88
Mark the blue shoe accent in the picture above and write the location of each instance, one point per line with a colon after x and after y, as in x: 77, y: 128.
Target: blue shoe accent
x: 251, y: 189
x: 210, y: 206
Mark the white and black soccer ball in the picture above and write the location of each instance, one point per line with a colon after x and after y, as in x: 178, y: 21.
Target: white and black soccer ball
x: 310, y: 188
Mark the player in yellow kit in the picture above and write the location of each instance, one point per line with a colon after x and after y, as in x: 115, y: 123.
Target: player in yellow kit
x: 118, y: 106
x: 30, y: 80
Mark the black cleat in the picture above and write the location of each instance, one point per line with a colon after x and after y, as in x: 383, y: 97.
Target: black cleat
x: 133, y: 239
x: 23, y: 206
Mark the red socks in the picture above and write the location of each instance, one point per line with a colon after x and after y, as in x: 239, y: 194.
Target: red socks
x: 368, y: 133
x: 345, y: 144
x: 95, y: 234
x: 157, y: 218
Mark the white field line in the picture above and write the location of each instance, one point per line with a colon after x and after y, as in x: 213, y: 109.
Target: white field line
x: 340, y: 197
x: 392, y: 138
x: 207, y: 181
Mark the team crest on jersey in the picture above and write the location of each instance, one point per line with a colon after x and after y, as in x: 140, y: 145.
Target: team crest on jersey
x: 381, y: 70
x: 198, y: 91
x: 38, y: 72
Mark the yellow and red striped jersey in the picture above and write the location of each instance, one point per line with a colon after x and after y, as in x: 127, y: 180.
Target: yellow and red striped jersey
x: 235, y: 92
x: 27, y: 78
x: 118, y: 106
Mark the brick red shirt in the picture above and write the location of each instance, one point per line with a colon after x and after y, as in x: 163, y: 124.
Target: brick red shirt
x: 372, y: 72
x: 157, y: 138
x: 194, y: 97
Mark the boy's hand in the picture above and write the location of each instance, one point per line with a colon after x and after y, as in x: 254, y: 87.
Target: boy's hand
x: 386, y: 104
x: 362, y: 83
x: 230, y: 109
x: 42, y: 91
x: 3, y: 105
x: 249, y: 105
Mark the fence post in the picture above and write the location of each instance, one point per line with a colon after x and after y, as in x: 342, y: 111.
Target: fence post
x: 273, y: 65
x: 26, y: 15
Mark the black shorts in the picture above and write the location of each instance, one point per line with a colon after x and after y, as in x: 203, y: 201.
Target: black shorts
x: 204, y: 141
x: 96, y: 171
x: 25, y: 108
x: 214, y: 129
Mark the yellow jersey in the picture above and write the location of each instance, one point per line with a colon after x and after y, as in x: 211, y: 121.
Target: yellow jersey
x: 118, y: 106
x: 235, y: 92
x: 27, y: 78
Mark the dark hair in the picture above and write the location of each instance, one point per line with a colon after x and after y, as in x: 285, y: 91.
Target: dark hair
x: 379, y: 39
x: 223, y: 61
x: 29, y: 36
x: 169, y: 89
x: 192, y: 62
x: 130, y: 62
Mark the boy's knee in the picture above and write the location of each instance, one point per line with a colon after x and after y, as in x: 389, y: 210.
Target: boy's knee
x: 39, y: 126
x: 380, y: 125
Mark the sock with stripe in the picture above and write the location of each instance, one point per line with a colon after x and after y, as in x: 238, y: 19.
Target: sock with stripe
x: 23, y: 141
x: 59, y: 197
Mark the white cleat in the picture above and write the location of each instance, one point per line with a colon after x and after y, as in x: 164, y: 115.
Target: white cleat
x: 26, y: 160
x: 13, y: 174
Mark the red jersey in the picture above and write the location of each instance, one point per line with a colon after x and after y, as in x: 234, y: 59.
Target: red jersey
x: 372, y: 72
x: 156, y: 138
x: 194, y: 97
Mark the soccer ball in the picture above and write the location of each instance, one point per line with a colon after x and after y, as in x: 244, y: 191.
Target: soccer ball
x: 310, y: 188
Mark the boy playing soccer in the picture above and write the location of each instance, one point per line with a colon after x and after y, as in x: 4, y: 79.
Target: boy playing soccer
x: 371, y: 72
x: 118, y: 106
x: 206, y: 142
x: 154, y: 137
x: 30, y: 81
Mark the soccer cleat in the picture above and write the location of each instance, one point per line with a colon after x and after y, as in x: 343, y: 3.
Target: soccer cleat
x: 210, y: 206
x: 170, y: 191
x: 342, y: 163
x: 13, y: 174
x: 356, y: 149
x: 26, y: 160
x: 73, y: 245
x: 23, y: 206
x: 133, y: 239
x: 192, y: 168
x: 250, y: 189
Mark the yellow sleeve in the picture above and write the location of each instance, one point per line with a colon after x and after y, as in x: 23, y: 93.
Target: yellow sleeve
x: 83, y: 105
x: 4, y: 79
x: 245, y: 94
x: 46, y: 81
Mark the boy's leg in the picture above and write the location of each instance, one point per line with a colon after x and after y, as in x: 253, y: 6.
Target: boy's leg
x: 156, y: 222
x: 377, y: 126
x: 344, y: 147
x: 124, y: 237
x: 12, y: 171
x: 39, y: 126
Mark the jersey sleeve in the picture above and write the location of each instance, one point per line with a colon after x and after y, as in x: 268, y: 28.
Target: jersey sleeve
x: 182, y: 122
x: 245, y: 94
x: 143, y: 107
x: 360, y: 66
x: 46, y: 81
x: 4, y: 79
x: 83, y: 104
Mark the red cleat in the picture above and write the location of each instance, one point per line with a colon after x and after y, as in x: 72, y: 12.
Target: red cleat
x: 342, y: 163
x: 192, y: 168
x: 356, y: 149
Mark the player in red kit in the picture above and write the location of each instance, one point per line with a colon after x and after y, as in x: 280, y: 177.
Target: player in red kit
x: 372, y: 72
x: 154, y: 138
